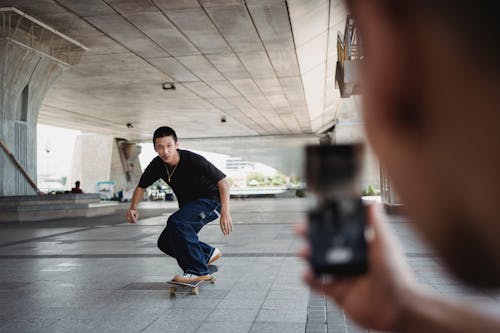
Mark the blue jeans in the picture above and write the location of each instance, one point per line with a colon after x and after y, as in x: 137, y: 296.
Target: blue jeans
x: 179, y: 239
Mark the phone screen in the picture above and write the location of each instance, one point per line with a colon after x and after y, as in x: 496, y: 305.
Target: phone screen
x: 337, y: 223
x: 337, y: 237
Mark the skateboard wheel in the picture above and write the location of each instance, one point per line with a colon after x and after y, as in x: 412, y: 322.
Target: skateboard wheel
x: 213, y: 280
x: 172, y: 290
x: 195, y: 291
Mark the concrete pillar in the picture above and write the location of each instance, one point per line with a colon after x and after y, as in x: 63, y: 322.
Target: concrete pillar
x: 101, y: 158
x: 390, y: 197
x: 32, y: 56
x: 25, y: 78
x: 125, y: 165
x: 350, y: 128
x: 92, y: 161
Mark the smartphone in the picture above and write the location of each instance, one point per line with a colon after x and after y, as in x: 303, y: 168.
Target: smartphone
x: 337, y: 237
x: 337, y: 222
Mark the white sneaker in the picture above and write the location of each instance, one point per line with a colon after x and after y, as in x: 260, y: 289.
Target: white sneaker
x: 187, y: 277
x: 215, y: 256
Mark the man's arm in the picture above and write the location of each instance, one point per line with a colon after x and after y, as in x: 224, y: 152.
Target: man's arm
x: 226, y: 224
x: 427, y: 311
x: 387, y: 297
x: 132, y: 213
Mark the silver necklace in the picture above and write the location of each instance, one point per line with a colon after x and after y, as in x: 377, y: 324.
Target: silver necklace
x: 170, y: 174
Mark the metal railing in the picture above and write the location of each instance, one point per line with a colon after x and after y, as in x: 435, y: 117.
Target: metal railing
x: 349, y: 57
x: 348, y: 46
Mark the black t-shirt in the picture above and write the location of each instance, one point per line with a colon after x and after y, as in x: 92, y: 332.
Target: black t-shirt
x: 194, y: 178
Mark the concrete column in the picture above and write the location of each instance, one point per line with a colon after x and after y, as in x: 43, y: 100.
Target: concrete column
x: 350, y: 128
x: 390, y: 197
x: 25, y: 78
x: 101, y: 158
x: 125, y: 165
x: 32, y: 56
x: 92, y: 161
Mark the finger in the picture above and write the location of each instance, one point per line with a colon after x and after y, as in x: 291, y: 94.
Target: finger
x: 229, y: 226
x: 374, y: 218
x: 130, y: 218
x: 337, y: 288
x: 318, y: 283
x: 301, y: 229
x: 304, y: 252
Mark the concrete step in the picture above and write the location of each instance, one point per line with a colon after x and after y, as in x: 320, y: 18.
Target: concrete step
x: 44, y: 207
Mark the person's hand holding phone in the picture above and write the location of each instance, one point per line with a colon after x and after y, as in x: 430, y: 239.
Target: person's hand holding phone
x: 387, y: 285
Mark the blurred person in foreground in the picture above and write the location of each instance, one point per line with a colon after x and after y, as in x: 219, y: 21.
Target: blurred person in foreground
x: 431, y: 89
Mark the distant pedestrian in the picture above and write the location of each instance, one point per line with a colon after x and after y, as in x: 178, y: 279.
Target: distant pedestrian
x: 77, y: 188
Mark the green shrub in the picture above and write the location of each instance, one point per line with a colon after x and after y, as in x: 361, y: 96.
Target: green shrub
x: 300, y: 193
x: 370, y: 191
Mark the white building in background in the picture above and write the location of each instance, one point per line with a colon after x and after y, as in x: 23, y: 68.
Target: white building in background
x: 237, y: 163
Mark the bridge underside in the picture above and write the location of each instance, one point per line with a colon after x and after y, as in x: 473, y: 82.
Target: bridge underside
x: 267, y: 67
x: 252, y: 78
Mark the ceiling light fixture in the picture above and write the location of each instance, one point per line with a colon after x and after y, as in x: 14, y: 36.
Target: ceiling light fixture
x: 168, y: 86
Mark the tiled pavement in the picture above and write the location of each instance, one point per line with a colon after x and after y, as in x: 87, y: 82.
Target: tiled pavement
x: 104, y: 275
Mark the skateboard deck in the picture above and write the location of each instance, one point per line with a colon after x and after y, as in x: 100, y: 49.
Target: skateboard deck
x: 193, y: 286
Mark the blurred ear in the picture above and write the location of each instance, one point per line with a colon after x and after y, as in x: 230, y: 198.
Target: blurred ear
x: 391, y: 73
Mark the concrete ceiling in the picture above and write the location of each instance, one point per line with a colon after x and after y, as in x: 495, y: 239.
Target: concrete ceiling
x: 266, y: 66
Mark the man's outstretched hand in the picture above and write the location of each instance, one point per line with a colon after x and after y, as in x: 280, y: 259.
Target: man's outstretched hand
x: 226, y: 223
x: 132, y: 216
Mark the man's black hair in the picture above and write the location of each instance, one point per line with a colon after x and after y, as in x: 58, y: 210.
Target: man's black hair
x: 164, y: 131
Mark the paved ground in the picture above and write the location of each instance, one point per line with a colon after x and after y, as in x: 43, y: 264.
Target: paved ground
x: 104, y: 275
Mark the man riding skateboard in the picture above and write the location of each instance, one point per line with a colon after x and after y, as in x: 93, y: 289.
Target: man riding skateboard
x: 203, y: 195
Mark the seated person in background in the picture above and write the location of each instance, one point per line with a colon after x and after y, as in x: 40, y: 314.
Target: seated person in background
x: 77, y: 188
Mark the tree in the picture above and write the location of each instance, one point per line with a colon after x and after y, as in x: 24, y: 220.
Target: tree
x: 279, y: 179
x: 255, y: 176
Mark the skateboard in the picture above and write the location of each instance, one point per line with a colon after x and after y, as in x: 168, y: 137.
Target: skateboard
x: 194, y: 286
